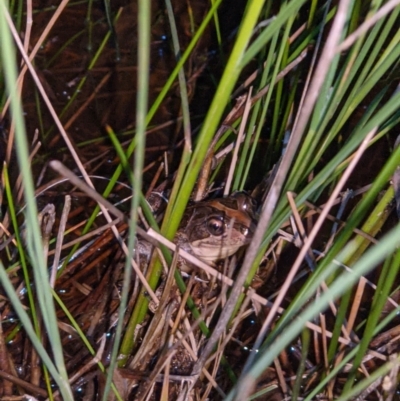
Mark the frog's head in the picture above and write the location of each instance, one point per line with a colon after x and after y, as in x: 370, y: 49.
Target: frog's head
x: 217, y: 228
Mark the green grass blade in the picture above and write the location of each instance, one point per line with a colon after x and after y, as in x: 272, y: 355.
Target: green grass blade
x: 370, y: 259
x: 213, y: 117
x: 34, y: 243
x: 144, y: 24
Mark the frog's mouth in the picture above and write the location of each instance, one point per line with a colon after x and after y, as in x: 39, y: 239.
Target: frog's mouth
x: 215, y: 248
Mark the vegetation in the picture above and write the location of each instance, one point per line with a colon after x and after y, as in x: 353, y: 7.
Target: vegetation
x: 303, y: 114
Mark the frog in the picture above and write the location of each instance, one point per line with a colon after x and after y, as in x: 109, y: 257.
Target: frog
x: 210, y: 230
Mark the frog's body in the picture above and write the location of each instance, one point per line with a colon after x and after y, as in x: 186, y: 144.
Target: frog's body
x: 210, y: 230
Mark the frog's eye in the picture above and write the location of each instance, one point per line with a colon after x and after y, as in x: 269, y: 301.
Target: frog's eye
x: 215, y: 226
x: 245, y: 202
x: 244, y: 230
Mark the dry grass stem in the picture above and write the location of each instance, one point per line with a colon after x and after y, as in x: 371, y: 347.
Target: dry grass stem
x: 240, y: 136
